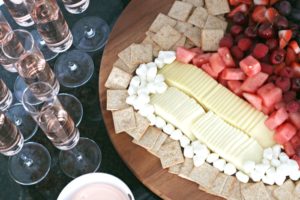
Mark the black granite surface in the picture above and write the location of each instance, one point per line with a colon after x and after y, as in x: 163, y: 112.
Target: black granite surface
x: 91, y: 126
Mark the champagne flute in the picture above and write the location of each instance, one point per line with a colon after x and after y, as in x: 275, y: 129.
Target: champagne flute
x: 28, y: 163
x: 78, y: 155
x: 76, y: 6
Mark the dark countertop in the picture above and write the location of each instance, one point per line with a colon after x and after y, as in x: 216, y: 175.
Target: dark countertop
x: 91, y: 126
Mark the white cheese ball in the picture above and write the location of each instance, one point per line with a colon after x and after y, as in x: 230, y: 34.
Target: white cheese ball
x: 160, y: 123
x: 242, y: 177
x: 219, y: 164
x: 159, y: 62
x: 184, y: 141
x: 229, y: 169
x: 198, y: 161
x: 212, y: 157
x: 188, y: 152
x: 151, y: 74
x: 249, y: 166
x: 176, y: 135
x: 168, y: 129
x: 135, y: 81
x: 268, y: 153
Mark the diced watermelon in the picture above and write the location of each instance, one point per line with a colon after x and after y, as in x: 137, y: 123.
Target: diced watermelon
x: 276, y: 118
x: 197, y: 50
x: 271, y: 97
x: 295, y: 141
x: 199, y: 60
x: 289, y: 149
x: 297, y: 159
x: 233, y: 74
x: 226, y: 56
x: 235, y: 86
x: 223, y: 81
x: 251, y: 84
x: 254, y: 100
x: 284, y: 133
x: 296, y: 68
x: 207, y: 68
x: 184, y: 55
x: 295, y: 119
x: 240, y: 8
x: 265, y: 88
x: 280, y: 105
x: 216, y: 63
x: 267, y: 110
x: 250, y: 66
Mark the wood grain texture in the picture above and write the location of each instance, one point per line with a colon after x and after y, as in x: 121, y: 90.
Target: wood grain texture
x: 131, y: 27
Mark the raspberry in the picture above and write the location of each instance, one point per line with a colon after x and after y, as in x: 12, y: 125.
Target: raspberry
x: 260, y: 50
x: 226, y: 41
x: 289, y: 96
x: 237, y: 53
x: 283, y: 83
x: 244, y: 44
x: 293, y: 106
x: 287, y: 72
x: 266, y: 68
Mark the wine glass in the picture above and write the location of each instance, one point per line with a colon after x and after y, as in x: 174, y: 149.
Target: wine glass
x: 76, y: 6
x: 16, y: 113
x: 78, y: 155
x: 28, y: 163
x: 74, y: 68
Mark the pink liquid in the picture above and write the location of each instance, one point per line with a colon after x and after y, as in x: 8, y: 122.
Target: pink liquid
x: 99, y: 191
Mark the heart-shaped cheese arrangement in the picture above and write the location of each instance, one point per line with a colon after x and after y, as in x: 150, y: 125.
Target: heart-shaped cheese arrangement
x: 215, y: 108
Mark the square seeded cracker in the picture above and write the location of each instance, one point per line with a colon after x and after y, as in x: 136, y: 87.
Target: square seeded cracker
x: 228, y: 187
x: 170, y: 154
x: 204, y: 175
x: 116, y: 99
x: 159, y: 142
x: 255, y: 191
x: 183, y: 27
x: 141, y: 53
x: 118, y: 79
x: 155, y: 47
x: 214, y: 22
x: 180, y: 10
x: 210, y: 39
x: 194, y: 34
x: 175, y: 169
x: 179, y: 43
x: 297, y: 190
x: 235, y: 193
x: 166, y: 37
x: 198, y: 17
x: 218, y: 184
x: 160, y: 21
x: 124, y: 119
x: 196, y: 3
x: 217, y: 7
x: 149, y: 138
x: 125, y: 56
x: 141, y: 126
x: 285, y: 191
x: 186, y: 168
x: 189, y: 44
x: 121, y: 65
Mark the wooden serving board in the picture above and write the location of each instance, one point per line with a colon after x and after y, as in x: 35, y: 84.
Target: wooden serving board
x: 131, y: 27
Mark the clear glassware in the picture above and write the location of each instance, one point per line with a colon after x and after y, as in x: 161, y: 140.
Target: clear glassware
x: 83, y: 155
x: 6, y: 97
x: 28, y: 163
x: 76, y: 6
x: 51, y: 24
x: 74, y: 68
x: 19, y: 12
x: 29, y: 61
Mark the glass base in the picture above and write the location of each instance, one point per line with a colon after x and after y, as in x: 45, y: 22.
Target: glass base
x: 72, y: 105
x: 84, y: 158
x: 27, y: 126
x: 19, y: 88
x: 78, y: 8
x: 48, y: 54
x: 74, y: 68
x: 30, y: 165
x: 90, y: 34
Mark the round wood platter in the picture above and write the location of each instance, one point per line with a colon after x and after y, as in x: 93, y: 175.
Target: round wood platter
x: 130, y: 28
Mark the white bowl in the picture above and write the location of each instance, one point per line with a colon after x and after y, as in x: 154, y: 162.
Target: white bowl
x: 87, y: 179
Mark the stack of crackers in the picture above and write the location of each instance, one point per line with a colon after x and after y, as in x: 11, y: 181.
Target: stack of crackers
x: 189, y: 23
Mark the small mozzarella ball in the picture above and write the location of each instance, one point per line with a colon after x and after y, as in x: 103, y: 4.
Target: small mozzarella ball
x: 167, y: 56
x: 283, y: 157
x: 161, y: 87
x: 151, y: 88
x: 295, y: 175
x: 137, y: 104
x: 151, y: 74
x: 188, y: 152
x: 279, y: 180
x: 168, y: 129
x: 141, y: 71
x: 201, y: 151
x: 229, y: 169
x: 132, y: 90
x: 184, y: 141
x: 152, y: 119
x: 131, y: 99
x: 268, y: 180
x: 135, y: 81
x: 282, y: 170
x: 276, y: 151
x: 271, y: 172
x: 144, y: 98
x: 160, y: 123
x: 151, y: 65
x: 268, y: 153
x: 293, y: 165
x: 159, y: 78
x: 242, y: 177
x: 249, y: 166
x: 196, y: 144
x: 219, y: 164
x: 275, y: 162
x: 262, y: 168
x: 142, y: 90
x: 256, y: 176
x: 212, y: 157
x: 176, y: 135
x: 198, y: 161
x: 147, y: 110
x: 266, y: 161
x: 159, y: 62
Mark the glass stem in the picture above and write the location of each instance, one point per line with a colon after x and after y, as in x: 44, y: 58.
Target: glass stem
x: 77, y: 154
x: 72, y: 66
x: 89, y: 32
x: 26, y: 161
x: 42, y: 42
x: 18, y: 121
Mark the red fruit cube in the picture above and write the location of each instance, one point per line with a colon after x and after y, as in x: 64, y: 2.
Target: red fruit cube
x: 237, y: 53
x: 259, y: 14
x: 199, y: 60
x: 280, y: 105
x: 254, y: 100
x: 266, y: 88
x: 289, y: 149
x: 294, y: 45
x: 184, y: 55
x: 276, y: 118
x: 222, y: 81
x: 226, y: 56
x: 251, y: 84
x: 284, y: 133
x: 266, y: 68
x: 241, y: 8
x: 250, y: 66
x: 244, y: 44
x: 260, y: 50
x: 290, y: 56
x: 233, y: 74
x: 284, y: 37
x: 235, y: 86
x: 216, y: 63
x: 207, y: 68
x: 237, y: 2
x: 261, y: 2
x: 295, y: 141
x: 295, y: 119
x: 271, y: 14
x: 271, y: 97
x: 267, y: 110
x: 197, y: 50
x: 296, y: 68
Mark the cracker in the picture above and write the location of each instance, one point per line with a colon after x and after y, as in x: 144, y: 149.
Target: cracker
x: 175, y: 169
x: 186, y: 168
x: 194, y: 34
x: 270, y: 189
x: 125, y: 56
x: 204, y: 175
x: 217, y: 7
x: 179, y: 43
x: 183, y: 27
x: 116, y: 99
x: 121, y: 65
x: 155, y: 47
x: 199, y: 17
x: 188, y: 44
x: 166, y: 37
x: 285, y: 191
x: 170, y: 154
x: 141, y: 53
x: 141, y: 126
x: 180, y: 10
x: 124, y: 119
x: 210, y: 39
x: 118, y: 79
x: 218, y: 184
x: 228, y: 187
x: 149, y: 138
x: 214, y: 22
x: 159, y: 142
x: 160, y: 21
x: 255, y: 191
x: 196, y: 3
x: 168, y: 140
x: 236, y: 191
x: 297, y: 190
